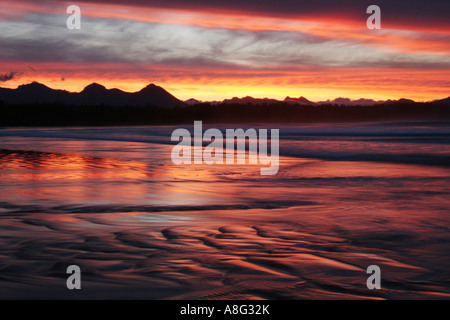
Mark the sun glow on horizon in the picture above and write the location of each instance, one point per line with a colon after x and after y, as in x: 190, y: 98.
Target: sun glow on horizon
x: 315, y: 85
x: 220, y: 52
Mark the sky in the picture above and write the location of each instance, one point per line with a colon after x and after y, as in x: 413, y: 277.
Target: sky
x: 218, y: 49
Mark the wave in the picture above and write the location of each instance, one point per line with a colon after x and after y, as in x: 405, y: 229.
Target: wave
x: 439, y: 160
x: 419, y: 143
x: 277, y: 204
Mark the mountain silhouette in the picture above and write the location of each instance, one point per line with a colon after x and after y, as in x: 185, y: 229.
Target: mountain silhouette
x: 94, y: 88
x: 191, y: 102
x: 34, y: 92
x: 402, y: 100
x: 93, y: 94
x: 249, y: 100
x: 157, y: 95
x: 302, y: 100
x: 446, y: 100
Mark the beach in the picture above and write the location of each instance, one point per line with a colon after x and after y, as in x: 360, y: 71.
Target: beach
x: 110, y: 200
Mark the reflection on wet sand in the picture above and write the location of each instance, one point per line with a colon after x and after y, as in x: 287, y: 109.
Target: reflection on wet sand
x: 200, y: 255
x: 140, y: 227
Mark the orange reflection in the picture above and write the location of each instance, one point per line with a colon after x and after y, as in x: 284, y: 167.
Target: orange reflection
x: 51, y: 166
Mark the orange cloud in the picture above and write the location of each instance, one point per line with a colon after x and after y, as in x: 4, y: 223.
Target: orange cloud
x: 219, y: 82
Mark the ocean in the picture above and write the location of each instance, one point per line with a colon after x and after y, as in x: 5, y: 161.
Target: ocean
x: 110, y: 200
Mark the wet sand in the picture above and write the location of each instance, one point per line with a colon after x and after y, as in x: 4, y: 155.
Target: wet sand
x: 142, y: 228
x: 291, y: 253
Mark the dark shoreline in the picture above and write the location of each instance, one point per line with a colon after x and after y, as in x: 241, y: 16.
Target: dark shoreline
x: 55, y: 114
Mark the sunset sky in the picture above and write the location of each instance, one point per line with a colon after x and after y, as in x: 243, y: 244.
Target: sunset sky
x: 217, y: 49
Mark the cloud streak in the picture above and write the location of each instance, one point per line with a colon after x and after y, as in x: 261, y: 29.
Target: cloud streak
x: 433, y: 13
x: 109, y: 40
x: 7, y: 76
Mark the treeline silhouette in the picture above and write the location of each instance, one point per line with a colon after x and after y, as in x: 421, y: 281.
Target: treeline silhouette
x: 53, y: 114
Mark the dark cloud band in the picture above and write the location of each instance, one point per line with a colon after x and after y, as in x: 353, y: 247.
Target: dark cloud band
x: 417, y: 13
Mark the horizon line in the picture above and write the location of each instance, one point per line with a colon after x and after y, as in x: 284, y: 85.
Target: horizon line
x: 229, y: 98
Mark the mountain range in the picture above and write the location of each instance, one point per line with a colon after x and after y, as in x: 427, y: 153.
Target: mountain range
x: 258, y: 101
x: 153, y: 95
x: 305, y: 102
x: 93, y: 94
